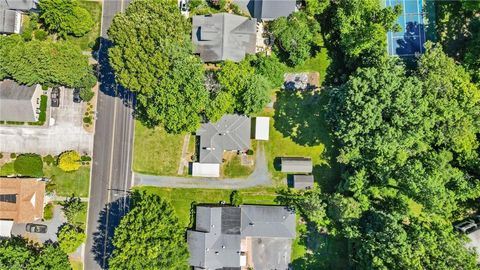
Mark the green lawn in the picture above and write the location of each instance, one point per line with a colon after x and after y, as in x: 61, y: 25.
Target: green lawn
x: 183, y: 199
x: 66, y: 183
x: 318, y: 63
x: 76, y: 265
x: 156, y: 151
x: 234, y: 169
x: 95, y: 9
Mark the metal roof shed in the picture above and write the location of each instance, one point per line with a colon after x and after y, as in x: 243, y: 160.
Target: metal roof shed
x: 206, y: 169
x: 262, y: 128
x: 296, y: 165
x: 303, y: 181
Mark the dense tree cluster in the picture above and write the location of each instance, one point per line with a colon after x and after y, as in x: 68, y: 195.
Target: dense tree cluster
x: 149, y: 237
x: 44, y: 62
x: 406, y: 141
x: 152, y: 57
x: 18, y: 253
x: 65, y: 17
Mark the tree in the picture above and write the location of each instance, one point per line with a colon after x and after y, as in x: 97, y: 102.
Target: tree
x: 152, y: 57
x: 295, y: 37
x: 271, y: 68
x: 255, y: 95
x: 70, y: 238
x: 43, y: 62
x: 65, y: 17
x: 52, y: 257
x: 149, y: 237
x: 29, y: 165
x: 72, y: 207
x: 236, y: 198
x: 223, y: 103
x: 69, y: 161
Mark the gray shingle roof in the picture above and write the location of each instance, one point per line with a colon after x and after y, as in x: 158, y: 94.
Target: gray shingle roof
x: 23, y: 5
x: 231, y: 132
x: 8, y: 21
x: 303, y: 181
x: 16, y: 101
x: 213, y: 246
x: 296, y: 165
x: 223, y: 36
x: 267, y: 9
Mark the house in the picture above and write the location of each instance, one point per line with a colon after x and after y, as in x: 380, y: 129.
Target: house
x: 245, y: 237
x: 10, y: 21
x: 303, y: 181
x: 296, y: 165
x: 20, y: 5
x: 267, y: 10
x: 262, y: 128
x: 19, y: 102
x: 223, y: 36
x: 21, y: 201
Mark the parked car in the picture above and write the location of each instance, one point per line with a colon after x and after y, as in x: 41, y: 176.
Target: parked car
x: 55, y: 97
x: 36, y: 228
x: 466, y: 226
x: 76, y: 95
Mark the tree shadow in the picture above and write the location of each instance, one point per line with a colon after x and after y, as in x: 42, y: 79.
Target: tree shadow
x: 106, y: 75
x: 109, y: 219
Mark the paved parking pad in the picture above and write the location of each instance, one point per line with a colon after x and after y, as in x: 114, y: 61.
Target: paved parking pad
x: 64, y: 133
x: 52, y: 227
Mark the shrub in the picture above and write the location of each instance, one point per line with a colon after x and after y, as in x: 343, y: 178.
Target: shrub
x: 70, y: 238
x: 249, y: 152
x: 87, y: 120
x: 13, y: 155
x: 85, y: 158
x: 236, y: 198
x: 69, y: 161
x: 86, y: 94
x: 48, y: 211
x: 40, y: 34
x: 29, y: 165
x: 44, y: 87
x: 43, y: 109
x: 49, y: 159
x: 72, y: 208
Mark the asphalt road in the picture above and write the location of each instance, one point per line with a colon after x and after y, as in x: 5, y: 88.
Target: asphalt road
x: 112, y: 152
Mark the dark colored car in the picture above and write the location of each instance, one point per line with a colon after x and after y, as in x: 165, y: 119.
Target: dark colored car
x: 36, y: 228
x: 55, y: 97
x: 76, y: 95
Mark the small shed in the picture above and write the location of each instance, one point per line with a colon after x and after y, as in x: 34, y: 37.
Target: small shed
x: 296, y: 165
x: 303, y: 181
x: 262, y: 128
x: 206, y: 169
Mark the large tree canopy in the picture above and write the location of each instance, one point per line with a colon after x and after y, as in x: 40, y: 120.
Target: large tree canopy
x: 44, y: 62
x: 152, y: 57
x: 149, y: 237
x: 65, y: 17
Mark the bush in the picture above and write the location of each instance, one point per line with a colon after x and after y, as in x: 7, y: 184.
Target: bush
x: 48, y: 211
x: 72, y: 208
x: 44, y: 87
x: 69, y: 161
x: 87, y: 120
x: 43, y: 109
x: 249, y: 152
x: 236, y: 198
x: 86, y: 94
x: 70, y: 238
x: 13, y: 155
x: 40, y: 34
x: 85, y: 158
x: 29, y: 165
x: 49, y: 159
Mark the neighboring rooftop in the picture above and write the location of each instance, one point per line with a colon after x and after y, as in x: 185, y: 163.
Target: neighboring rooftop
x: 231, y: 132
x: 21, y: 199
x: 303, y: 181
x: 23, y: 5
x: 18, y: 102
x: 267, y: 10
x: 10, y: 21
x: 222, y: 232
x: 262, y: 128
x: 296, y: 165
x: 223, y: 36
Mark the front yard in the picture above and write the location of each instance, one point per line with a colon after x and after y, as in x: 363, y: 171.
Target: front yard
x: 87, y: 42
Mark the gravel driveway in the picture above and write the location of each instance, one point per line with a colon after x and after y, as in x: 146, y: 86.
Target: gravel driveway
x: 64, y: 133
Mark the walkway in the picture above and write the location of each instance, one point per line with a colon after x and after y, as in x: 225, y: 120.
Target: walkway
x: 183, y: 160
x: 259, y: 177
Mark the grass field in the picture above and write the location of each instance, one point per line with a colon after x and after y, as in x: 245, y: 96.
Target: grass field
x: 318, y: 63
x: 155, y: 151
x: 68, y: 183
x: 95, y: 9
x: 183, y: 199
x: 234, y: 169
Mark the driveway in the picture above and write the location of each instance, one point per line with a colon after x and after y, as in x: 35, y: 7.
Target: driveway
x: 52, y: 227
x: 259, y: 177
x: 474, y: 242
x: 64, y: 133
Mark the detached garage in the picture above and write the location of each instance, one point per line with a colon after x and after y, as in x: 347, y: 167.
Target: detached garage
x: 206, y: 169
x: 262, y: 128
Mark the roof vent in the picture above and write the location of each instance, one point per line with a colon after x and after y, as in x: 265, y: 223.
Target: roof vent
x: 216, y: 252
x: 251, y: 224
x: 223, y: 247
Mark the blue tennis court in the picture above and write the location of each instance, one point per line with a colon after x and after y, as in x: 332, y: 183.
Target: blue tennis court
x: 409, y: 41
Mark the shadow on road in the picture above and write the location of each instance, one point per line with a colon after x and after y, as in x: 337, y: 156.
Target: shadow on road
x: 108, y: 84
x: 109, y: 219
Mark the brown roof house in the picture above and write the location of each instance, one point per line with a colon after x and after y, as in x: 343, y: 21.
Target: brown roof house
x: 19, y: 102
x: 21, y: 201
